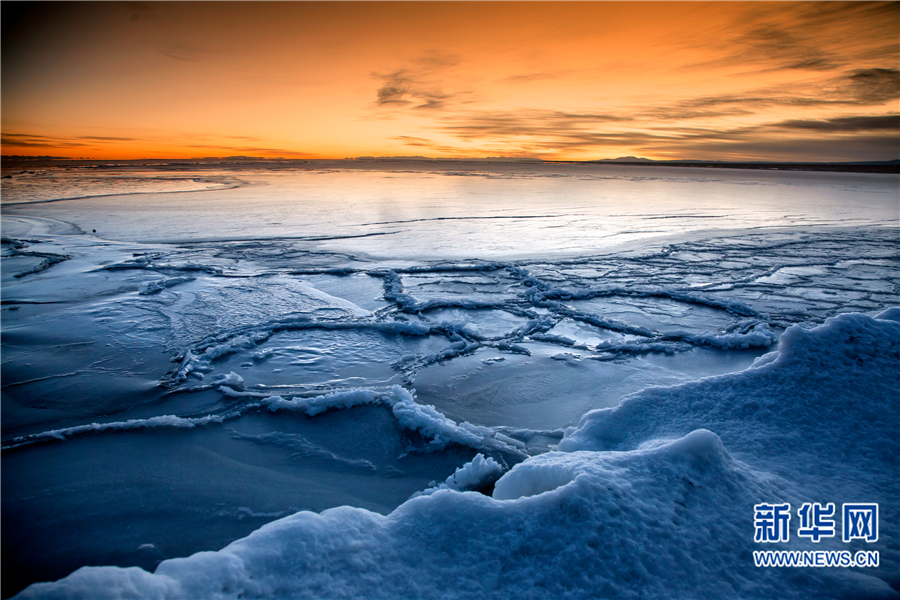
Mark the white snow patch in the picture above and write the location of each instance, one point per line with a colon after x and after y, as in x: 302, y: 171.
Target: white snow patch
x: 475, y: 474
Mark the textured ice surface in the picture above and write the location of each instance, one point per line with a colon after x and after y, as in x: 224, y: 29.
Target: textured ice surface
x: 209, y: 362
x: 643, y: 500
x: 50, y: 185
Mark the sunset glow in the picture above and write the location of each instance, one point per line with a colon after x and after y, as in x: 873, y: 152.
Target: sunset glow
x: 582, y: 81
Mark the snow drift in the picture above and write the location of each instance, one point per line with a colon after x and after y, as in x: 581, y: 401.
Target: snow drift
x: 653, y: 498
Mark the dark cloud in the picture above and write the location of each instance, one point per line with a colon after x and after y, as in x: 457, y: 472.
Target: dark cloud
x: 432, y: 101
x: 35, y: 144
x: 418, y: 142
x: 872, y: 86
x: 29, y: 140
x: 26, y: 140
x: 410, y: 140
x: 845, y: 124
x: 812, y: 64
x: 682, y: 113
x: 805, y: 36
x: 418, y: 85
x: 756, y: 102
x: 843, y: 138
x: 24, y: 135
x: 779, y: 47
x: 98, y: 138
x: 860, y: 87
x: 818, y: 16
x: 400, y: 89
x: 396, y: 86
x: 554, y: 124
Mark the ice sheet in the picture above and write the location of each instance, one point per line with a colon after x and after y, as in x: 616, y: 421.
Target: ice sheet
x: 312, y: 338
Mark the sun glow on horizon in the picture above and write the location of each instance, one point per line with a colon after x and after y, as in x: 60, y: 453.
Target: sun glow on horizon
x: 557, y: 80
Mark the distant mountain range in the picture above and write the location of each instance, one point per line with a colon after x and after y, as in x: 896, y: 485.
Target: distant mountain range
x: 624, y: 159
x: 634, y: 159
x: 869, y: 166
x: 872, y: 166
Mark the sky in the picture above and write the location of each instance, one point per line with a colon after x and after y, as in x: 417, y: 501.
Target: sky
x: 813, y: 81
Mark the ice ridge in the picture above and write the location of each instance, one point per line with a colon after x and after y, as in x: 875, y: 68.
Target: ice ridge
x: 651, y: 499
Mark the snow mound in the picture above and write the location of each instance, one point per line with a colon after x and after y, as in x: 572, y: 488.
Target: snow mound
x: 476, y: 474
x: 651, y: 499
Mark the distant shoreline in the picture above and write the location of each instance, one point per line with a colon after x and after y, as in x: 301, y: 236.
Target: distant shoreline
x: 873, y: 167
x: 21, y: 162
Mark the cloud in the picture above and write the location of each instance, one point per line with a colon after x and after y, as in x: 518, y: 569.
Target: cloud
x: 778, y: 46
x: 808, y: 36
x: 681, y: 113
x: 845, y: 124
x: 418, y: 85
x: 413, y: 141
x: 759, y: 101
x: 98, y: 138
x: 872, y: 86
x: 527, y: 123
x: 27, y: 140
x: 396, y: 86
x: 540, y: 133
x: 540, y: 76
x: 432, y: 101
x: 860, y: 87
x: 400, y: 89
x: 252, y: 150
x: 438, y: 148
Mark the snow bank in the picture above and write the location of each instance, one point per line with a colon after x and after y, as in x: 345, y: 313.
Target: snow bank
x: 651, y: 499
x: 844, y: 371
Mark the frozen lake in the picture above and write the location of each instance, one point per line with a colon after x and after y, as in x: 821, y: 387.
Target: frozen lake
x: 190, y: 352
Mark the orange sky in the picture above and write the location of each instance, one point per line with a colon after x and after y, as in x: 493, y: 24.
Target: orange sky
x: 714, y: 81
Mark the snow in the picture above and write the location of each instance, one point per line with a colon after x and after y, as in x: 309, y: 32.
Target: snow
x: 424, y: 419
x: 152, y: 422
x: 475, y: 474
x: 652, y: 498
